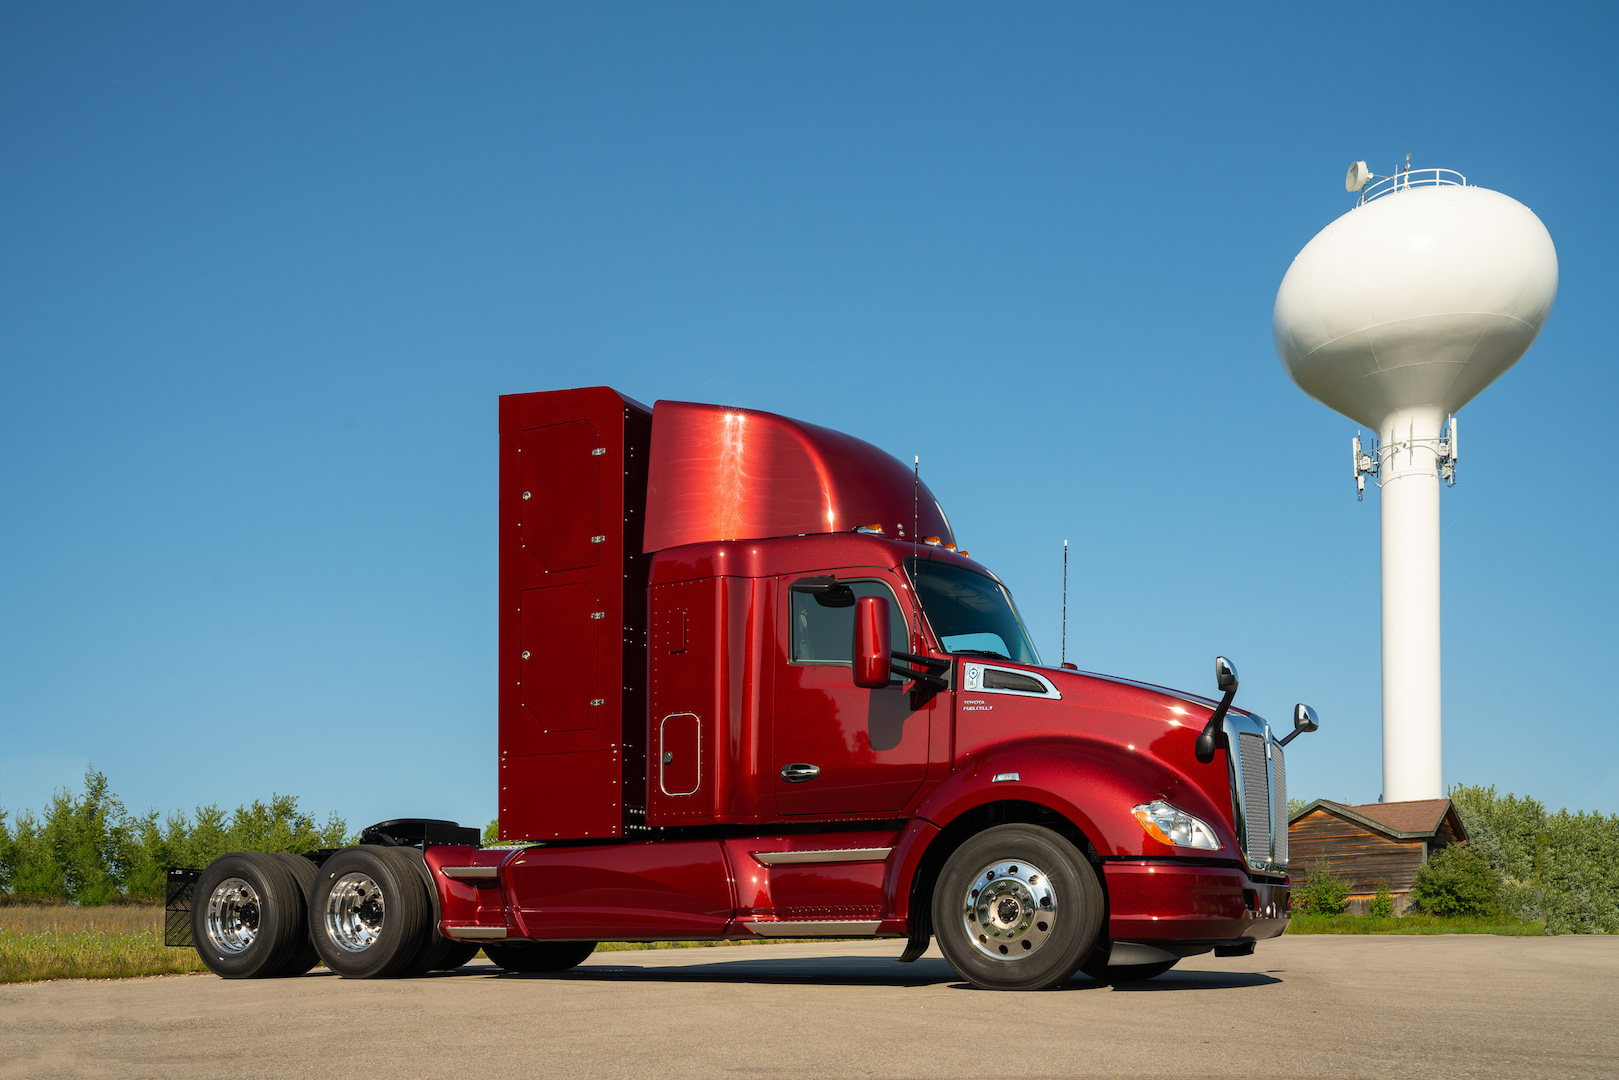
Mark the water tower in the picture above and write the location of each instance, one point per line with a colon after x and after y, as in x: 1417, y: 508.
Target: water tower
x: 1397, y: 314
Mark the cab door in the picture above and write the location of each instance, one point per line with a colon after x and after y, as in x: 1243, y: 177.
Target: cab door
x: 841, y: 749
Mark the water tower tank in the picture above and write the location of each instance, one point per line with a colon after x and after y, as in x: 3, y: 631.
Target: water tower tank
x: 1422, y: 296
x: 1397, y: 314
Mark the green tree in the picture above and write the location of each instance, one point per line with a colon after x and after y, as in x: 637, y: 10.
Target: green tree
x: 1458, y: 880
x: 1505, y: 827
x: 8, y: 854
x: 88, y: 849
x: 88, y: 840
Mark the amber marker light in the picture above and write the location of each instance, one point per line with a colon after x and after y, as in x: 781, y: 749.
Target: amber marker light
x: 931, y: 541
x: 877, y: 529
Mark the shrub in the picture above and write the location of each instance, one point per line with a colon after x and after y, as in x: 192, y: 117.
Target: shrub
x: 1458, y: 880
x: 1323, y: 892
x: 1563, y: 866
x: 1383, y: 903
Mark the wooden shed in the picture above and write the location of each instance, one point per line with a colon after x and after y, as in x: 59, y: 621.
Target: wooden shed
x: 1375, y: 842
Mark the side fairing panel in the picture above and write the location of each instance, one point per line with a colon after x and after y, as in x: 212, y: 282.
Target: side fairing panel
x: 769, y: 886
x: 662, y: 890
x: 572, y: 612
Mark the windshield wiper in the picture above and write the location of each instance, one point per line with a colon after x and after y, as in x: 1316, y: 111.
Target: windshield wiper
x: 980, y: 652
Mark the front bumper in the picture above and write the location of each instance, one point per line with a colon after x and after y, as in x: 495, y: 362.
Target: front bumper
x: 1162, y: 901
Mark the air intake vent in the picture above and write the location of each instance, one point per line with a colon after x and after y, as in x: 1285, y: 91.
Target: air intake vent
x: 1255, y: 797
x: 1010, y: 680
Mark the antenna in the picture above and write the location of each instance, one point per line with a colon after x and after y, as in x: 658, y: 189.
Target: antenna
x: 916, y: 551
x: 1449, y: 455
x: 1064, y: 602
x: 1357, y: 176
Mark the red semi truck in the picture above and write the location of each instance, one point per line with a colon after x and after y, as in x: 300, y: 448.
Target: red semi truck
x: 751, y: 688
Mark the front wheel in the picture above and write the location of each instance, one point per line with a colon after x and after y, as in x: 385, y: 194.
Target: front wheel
x: 1016, y: 907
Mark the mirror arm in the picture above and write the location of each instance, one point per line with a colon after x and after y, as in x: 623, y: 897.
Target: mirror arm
x: 1290, y: 736
x: 932, y: 667
x: 1213, y: 735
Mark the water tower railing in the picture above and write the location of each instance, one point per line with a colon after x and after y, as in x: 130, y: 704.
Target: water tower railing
x: 1410, y: 179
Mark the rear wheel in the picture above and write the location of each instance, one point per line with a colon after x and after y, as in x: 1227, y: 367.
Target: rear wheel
x: 247, y: 916
x: 369, y: 913
x: 302, y: 955
x: 540, y: 955
x: 1016, y: 907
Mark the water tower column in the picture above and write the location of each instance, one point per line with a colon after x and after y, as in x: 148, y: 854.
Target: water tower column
x: 1409, y: 478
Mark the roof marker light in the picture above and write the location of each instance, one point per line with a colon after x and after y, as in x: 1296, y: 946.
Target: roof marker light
x: 931, y: 541
x: 878, y: 529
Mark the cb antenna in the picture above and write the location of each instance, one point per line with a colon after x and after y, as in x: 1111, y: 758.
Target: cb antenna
x: 916, y: 552
x: 1065, y: 602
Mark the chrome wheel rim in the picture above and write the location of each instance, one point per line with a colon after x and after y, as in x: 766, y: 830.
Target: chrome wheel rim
x: 355, y: 912
x: 233, y: 915
x: 1009, y: 910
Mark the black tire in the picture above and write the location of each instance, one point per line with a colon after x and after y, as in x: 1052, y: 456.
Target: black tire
x: 1124, y: 974
x: 454, y: 954
x: 540, y: 955
x: 302, y: 956
x: 1016, y: 907
x: 246, y: 916
x: 368, y: 913
x: 433, y: 949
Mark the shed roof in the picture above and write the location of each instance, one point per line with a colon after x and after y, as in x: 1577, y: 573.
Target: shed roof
x: 1411, y: 820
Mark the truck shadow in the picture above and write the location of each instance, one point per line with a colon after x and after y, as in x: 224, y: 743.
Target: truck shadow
x: 849, y: 971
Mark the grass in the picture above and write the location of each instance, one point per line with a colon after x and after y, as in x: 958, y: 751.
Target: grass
x: 125, y: 941
x: 118, y: 941
x: 1305, y: 923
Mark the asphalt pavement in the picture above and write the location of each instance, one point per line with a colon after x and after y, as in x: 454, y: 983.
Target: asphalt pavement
x: 1384, y: 1007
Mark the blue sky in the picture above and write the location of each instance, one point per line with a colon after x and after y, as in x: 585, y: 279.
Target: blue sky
x: 265, y: 270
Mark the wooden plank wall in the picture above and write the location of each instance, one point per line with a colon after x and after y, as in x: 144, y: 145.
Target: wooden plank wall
x: 1355, y: 853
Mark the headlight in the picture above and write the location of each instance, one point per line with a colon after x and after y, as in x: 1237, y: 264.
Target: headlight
x: 1167, y: 825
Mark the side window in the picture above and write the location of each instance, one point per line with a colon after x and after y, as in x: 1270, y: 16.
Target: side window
x: 823, y: 619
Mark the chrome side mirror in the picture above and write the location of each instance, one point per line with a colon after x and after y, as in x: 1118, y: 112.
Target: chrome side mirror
x: 1225, y: 675
x: 1304, y: 719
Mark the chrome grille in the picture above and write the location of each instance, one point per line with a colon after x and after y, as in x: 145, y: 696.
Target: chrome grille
x: 1255, y: 797
x: 1278, y: 781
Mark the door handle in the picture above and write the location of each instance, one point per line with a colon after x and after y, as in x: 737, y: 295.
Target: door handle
x: 799, y: 772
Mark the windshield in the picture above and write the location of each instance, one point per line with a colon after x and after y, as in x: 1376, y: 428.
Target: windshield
x: 972, y: 614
